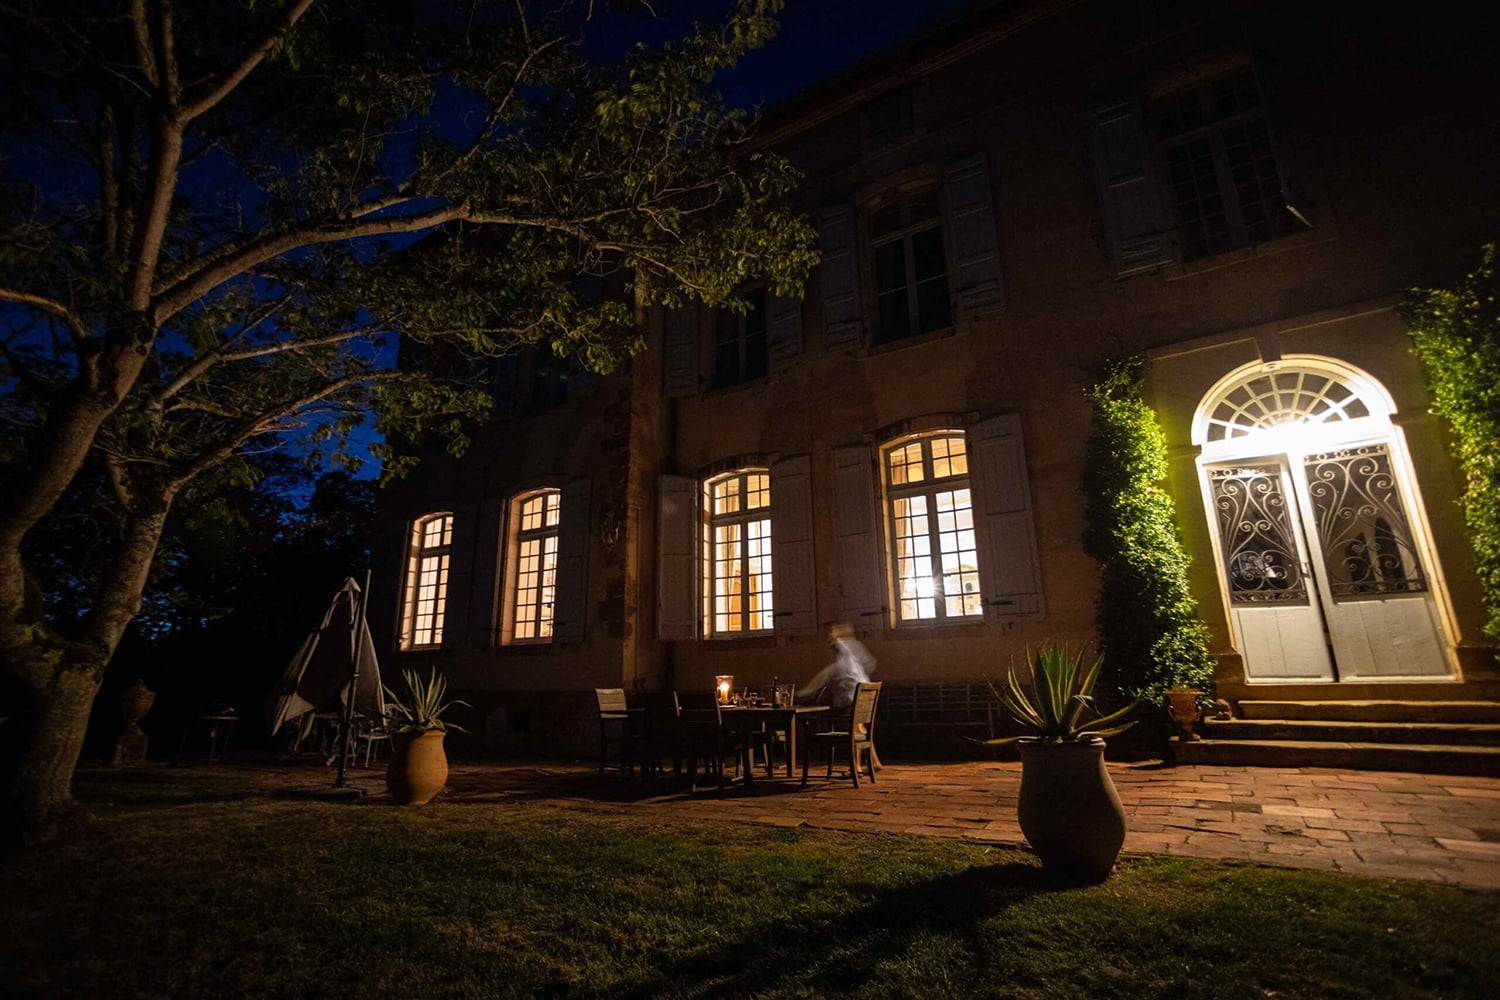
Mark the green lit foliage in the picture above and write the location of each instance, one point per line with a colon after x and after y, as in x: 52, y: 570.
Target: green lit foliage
x: 1147, y: 618
x: 1057, y: 704
x: 1456, y: 333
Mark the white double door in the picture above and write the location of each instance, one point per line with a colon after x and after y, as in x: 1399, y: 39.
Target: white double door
x: 1324, y: 568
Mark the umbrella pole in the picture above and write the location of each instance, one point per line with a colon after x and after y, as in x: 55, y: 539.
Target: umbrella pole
x: 356, y: 618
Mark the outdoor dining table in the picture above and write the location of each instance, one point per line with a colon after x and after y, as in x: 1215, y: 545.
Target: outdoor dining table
x: 789, y: 717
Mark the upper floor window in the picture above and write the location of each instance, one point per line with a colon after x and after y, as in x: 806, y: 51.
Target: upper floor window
x: 911, y: 269
x: 888, y: 118
x: 737, y: 553
x: 935, y: 564
x: 426, y: 582
x: 740, y: 350
x: 535, y: 522
x: 1222, y: 177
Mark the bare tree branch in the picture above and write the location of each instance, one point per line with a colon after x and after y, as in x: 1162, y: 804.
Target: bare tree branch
x: 251, y: 59
x: 53, y: 307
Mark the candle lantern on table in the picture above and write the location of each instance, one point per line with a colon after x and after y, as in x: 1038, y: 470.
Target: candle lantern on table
x: 723, y: 684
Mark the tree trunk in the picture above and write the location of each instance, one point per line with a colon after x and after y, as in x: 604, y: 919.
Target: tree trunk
x: 57, y: 683
x: 42, y: 749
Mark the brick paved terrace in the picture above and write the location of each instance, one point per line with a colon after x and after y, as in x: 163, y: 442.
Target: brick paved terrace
x: 1379, y: 824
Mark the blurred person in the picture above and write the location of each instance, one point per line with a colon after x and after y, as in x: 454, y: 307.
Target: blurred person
x: 852, y: 666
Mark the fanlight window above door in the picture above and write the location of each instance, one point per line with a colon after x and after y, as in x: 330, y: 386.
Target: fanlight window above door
x: 1262, y: 399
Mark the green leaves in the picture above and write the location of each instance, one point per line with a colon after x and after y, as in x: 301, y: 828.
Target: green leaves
x: 1061, y: 692
x: 1147, y: 618
x: 1456, y: 334
x: 423, y: 710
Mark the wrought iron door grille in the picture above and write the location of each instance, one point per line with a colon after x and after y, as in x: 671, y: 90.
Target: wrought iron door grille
x: 1366, y: 538
x: 1260, y: 550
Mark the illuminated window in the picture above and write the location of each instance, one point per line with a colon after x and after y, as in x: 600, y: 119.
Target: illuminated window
x: 911, y: 269
x: 534, y: 522
x: 427, y: 582
x: 737, y: 553
x: 935, y: 564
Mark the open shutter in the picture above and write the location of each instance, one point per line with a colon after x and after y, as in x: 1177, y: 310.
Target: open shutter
x: 1271, y: 103
x: 783, y: 330
x: 483, y: 626
x: 1013, y: 588
x: 681, y: 351
x: 460, y: 576
x: 1139, y: 234
x: 839, y: 274
x: 794, y: 603
x: 571, y: 593
x: 969, y: 218
x: 676, y: 558
x: 860, y: 575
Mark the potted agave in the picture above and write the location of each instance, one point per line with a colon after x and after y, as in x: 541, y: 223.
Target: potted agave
x: 418, y: 769
x: 1068, y: 807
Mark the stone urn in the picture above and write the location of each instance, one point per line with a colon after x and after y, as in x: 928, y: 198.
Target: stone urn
x: 1183, y: 705
x: 1068, y: 808
x: 135, y: 702
x: 418, y: 769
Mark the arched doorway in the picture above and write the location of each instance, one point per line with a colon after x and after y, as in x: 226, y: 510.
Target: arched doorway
x: 1321, y: 547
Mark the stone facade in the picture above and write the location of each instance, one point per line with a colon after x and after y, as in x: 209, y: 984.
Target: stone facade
x: 1055, y: 147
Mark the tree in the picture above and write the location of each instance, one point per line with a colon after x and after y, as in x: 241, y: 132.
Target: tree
x: 1147, y: 618
x: 214, y: 218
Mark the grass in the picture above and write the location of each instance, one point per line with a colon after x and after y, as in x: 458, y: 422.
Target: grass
x: 201, y: 882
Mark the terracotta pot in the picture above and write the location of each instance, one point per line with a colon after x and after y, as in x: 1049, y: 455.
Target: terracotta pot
x: 1069, y: 810
x: 136, y: 702
x: 1184, y: 708
x: 418, y: 769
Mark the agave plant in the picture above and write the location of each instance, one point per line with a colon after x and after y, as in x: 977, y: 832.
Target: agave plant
x: 423, y: 712
x: 1061, y: 696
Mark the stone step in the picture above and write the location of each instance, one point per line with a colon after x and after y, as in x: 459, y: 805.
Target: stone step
x: 1419, y: 758
x: 1339, y: 731
x: 1373, y: 711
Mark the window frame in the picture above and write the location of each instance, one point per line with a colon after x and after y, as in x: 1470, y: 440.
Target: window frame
x: 929, y: 487
x: 733, y: 328
x: 517, y: 536
x: 418, y: 552
x: 1281, y: 222
x: 904, y: 233
x: 743, y: 517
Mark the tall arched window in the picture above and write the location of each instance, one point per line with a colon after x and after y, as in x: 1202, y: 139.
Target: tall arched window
x: 536, y: 519
x: 426, y: 581
x: 737, y: 553
x: 935, y: 559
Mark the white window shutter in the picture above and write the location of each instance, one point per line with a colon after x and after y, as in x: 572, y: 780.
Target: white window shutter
x: 569, y: 613
x: 460, y: 576
x: 793, y: 598
x: 1140, y: 236
x: 860, y: 575
x: 677, y: 558
x: 839, y: 273
x: 483, y: 627
x: 1012, y: 571
x: 969, y: 218
x: 783, y: 330
x: 680, y: 351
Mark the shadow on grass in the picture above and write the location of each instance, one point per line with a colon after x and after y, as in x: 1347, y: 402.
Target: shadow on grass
x: 837, y: 955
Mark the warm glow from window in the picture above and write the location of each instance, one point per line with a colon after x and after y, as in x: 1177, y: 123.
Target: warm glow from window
x: 427, y: 581
x: 737, y: 553
x: 536, y: 565
x: 936, y: 564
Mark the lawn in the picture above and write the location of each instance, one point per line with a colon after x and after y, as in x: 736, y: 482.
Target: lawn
x: 203, y: 882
